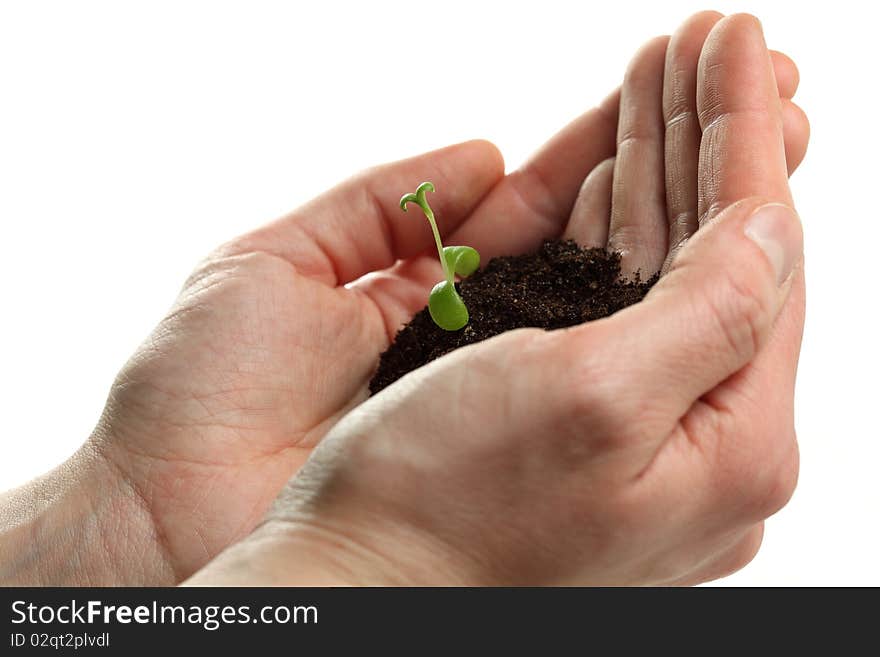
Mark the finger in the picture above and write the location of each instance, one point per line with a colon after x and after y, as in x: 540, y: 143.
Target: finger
x: 742, y: 153
x: 399, y: 292
x: 796, y: 128
x: 358, y: 226
x: 638, y: 228
x: 534, y: 202
x: 786, y: 73
x: 588, y: 223
x: 683, y: 133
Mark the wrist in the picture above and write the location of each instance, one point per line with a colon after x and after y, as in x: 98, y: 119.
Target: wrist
x: 80, y: 524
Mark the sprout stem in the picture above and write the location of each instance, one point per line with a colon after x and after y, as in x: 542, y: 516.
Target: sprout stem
x: 419, y: 199
x: 447, y: 272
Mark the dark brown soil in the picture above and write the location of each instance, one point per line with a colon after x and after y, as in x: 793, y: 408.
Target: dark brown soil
x: 558, y: 285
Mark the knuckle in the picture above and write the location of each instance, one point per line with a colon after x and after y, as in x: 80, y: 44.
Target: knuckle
x: 777, y: 485
x: 600, y: 402
x: 371, y: 172
x: 679, y: 111
x: 498, y: 366
x: 739, y: 313
x: 625, y: 237
x: 765, y: 484
x: 505, y: 354
x: 754, y: 462
x: 591, y: 391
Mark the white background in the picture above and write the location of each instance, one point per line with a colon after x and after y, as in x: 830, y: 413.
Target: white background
x: 135, y: 139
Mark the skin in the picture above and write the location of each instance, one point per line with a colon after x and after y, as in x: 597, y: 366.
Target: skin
x: 619, y: 433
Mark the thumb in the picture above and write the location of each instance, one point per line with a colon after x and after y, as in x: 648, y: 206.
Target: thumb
x: 712, y: 312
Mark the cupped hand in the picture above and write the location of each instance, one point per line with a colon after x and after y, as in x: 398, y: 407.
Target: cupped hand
x: 644, y: 448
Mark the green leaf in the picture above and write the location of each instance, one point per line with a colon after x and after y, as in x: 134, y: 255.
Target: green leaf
x: 446, y: 307
x: 463, y: 260
x: 418, y: 198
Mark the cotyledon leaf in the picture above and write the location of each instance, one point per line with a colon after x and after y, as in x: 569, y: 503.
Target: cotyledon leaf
x: 446, y: 307
x: 463, y: 260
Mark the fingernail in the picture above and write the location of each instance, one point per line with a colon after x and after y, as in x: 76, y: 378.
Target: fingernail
x: 775, y: 228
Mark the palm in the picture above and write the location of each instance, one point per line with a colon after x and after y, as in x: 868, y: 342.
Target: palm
x: 276, y: 336
x: 232, y: 391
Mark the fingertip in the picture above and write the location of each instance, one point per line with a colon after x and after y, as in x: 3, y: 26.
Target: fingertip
x: 796, y: 127
x: 708, y: 15
x: 486, y: 153
x: 644, y: 62
x: 739, y: 33
x: 733, y: 68
x: 604, y: 168
x: 700, y: 23
x: 476, y: 164
x: 463, y: 174
x: 742, y: 21
x: 787, y: 75
x: 611, y: 103
x: 588, y: 222
x: 682, y: 57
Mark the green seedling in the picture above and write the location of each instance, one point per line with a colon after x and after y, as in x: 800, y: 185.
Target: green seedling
x: 445, y: 305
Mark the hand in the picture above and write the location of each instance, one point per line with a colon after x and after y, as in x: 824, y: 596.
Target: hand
x: 646, y: 448
x: 266, y: 349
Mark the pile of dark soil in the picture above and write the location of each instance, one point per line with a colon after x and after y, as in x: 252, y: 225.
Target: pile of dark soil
x: 558, y: 285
